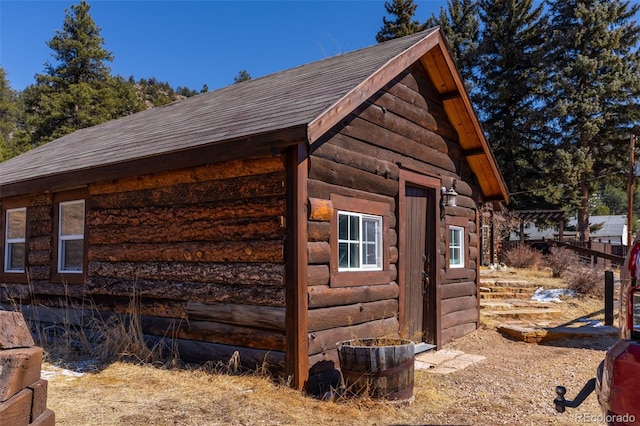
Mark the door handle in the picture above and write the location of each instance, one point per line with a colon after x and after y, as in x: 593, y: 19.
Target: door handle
x: 425, y: 286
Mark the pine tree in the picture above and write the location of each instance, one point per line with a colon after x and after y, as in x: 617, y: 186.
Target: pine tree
x: 595, y: 93
x: 509, y: 94
x: 186, y: 92
x: 403, y: 24
x: 77, y: 90
x: 8, y: 108
x: 243, y: 75
x: 460, y: 25
x: 13, y: 136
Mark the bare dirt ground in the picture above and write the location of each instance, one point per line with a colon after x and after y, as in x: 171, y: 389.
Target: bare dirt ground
x: 515, y: 384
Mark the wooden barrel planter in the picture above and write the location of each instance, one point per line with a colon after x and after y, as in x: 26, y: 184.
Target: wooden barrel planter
x: 379, y: 370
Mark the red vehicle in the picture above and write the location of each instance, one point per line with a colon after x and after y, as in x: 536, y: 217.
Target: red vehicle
x: 617, y: 381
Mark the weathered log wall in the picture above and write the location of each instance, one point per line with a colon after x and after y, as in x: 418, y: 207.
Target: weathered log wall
x: 403, y: 126
x: 201, y: 248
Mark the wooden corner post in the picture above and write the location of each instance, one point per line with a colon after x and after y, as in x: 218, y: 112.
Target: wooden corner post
x: 297, y: 356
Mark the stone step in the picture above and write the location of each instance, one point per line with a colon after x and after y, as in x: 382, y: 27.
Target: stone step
x: 522, y: 313
x: 507, y: 304
x: 492, y: 289
x: 502, y: 292
x: 488, y: 282
x: 506, y: 295
x: 547, y: 334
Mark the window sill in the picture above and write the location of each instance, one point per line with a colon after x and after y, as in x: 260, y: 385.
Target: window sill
x: 359, y: 278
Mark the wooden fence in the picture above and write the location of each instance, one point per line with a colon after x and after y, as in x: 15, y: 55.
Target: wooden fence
x: 596, y: 253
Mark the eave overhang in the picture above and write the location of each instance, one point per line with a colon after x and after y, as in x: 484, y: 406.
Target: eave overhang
x: 434, y: 55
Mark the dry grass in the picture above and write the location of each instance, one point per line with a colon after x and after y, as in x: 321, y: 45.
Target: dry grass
x: 540, y: 276
x: 514, y: 384
x: 129, y: 394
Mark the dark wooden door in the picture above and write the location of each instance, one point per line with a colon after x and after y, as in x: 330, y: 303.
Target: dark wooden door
x: 419, y: 274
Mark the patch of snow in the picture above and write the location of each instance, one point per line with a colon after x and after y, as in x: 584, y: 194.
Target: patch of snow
x: 52, y: 372
x: 590, y: 323
x: 79, y: 368
x: 551, y: 295
x: 497, y: 266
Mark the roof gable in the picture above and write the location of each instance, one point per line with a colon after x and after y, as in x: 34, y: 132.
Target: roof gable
x: 309, y: 99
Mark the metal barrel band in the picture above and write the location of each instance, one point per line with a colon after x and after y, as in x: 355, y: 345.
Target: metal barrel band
x: 385, y: 373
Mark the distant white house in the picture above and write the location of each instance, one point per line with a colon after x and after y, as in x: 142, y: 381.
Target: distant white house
x: 610, y: 229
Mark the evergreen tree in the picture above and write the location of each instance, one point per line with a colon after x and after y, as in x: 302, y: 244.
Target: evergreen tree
x: 403, y: 24
x: 13, y: 137
x: 460, y: 25
x: 8, y: 109
x: 508, y: 96
x: 156, y: 93
x: 186, y: 92
x: 243, y: 75
x: 77, y: 90
x: 611, y: 195
x: 595, y: 94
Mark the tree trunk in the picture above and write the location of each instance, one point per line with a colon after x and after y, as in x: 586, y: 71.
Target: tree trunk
x: 583, y: 211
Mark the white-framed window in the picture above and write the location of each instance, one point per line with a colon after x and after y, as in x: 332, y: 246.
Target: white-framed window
x: 456, y: 246
x: 71, y: 236
x: 15, y: 240
x: 359, y: 242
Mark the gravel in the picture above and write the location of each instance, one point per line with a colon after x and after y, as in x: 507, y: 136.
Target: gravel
x: 516, y: 382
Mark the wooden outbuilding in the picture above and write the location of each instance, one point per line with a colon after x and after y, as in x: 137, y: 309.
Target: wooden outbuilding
x: 274, y: 217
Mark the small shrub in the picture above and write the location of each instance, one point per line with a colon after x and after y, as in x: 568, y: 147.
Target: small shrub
x: 523, y: 257
x: 560, y: 260
x: 586, y: 280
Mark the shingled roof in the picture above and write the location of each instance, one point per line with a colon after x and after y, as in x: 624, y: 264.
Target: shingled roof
x: 306, y: 101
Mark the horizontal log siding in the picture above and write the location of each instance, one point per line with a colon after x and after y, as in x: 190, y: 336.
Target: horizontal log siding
x: 403, y: 124
x: 203, y: 248
x: 210, y: 238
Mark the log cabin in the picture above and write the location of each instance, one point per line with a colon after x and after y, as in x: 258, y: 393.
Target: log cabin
x: 273, y: 218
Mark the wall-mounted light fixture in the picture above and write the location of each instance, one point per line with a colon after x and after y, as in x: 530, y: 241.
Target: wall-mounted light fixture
x: 448, y: 198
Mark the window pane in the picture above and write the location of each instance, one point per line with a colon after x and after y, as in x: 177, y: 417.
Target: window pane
x: 354, y: 225
x: 354, y: 255
x: 72, y: 253
x: 343, y: 226
x: 16, y: 257
x: 454, y: 256
x: 454, y: 237
x: 343, y: 255
x: 16, y: 224
x: 370, y: 254
x: 72, y: 219
x: 369, y: 231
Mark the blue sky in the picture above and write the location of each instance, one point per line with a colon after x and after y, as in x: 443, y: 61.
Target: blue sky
x: 192, y: 43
